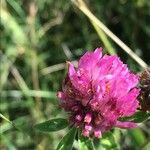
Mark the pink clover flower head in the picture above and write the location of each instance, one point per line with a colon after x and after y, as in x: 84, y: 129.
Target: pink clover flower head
x: 98, y: 93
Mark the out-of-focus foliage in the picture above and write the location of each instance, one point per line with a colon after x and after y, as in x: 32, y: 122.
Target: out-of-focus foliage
x: 36, y: 34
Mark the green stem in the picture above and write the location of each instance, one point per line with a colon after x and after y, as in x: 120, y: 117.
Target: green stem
x: 104, y: 38
x: 6, y: 119
x: 93, y: 147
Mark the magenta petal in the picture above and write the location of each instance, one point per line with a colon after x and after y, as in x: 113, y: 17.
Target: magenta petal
x: 98, y: 53
x: 88, y: 118
x: 61, y: 95
x: 129, y: 102
x: 84, y: 101
x: 78, y: 117
x: 89, y: 60
x: 88, y: 127
x: 86, y: 60
x: 85, y: 132
x: 79, y: 80
x: 98, y: 92
x: 73, y: 76
x: 71, y: 71
x: 97, y: 133
x: 126, y: 124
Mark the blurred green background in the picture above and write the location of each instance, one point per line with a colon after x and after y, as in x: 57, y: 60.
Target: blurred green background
x: 37, y: 37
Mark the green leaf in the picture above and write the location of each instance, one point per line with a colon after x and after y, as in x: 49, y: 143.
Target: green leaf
x: 17, y: 33
x: 108, y: 142
x: 52, y: 125
x: 137, y: 136
x: 67, y: 141
x: 17, y: 8
x: 138, y: 117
